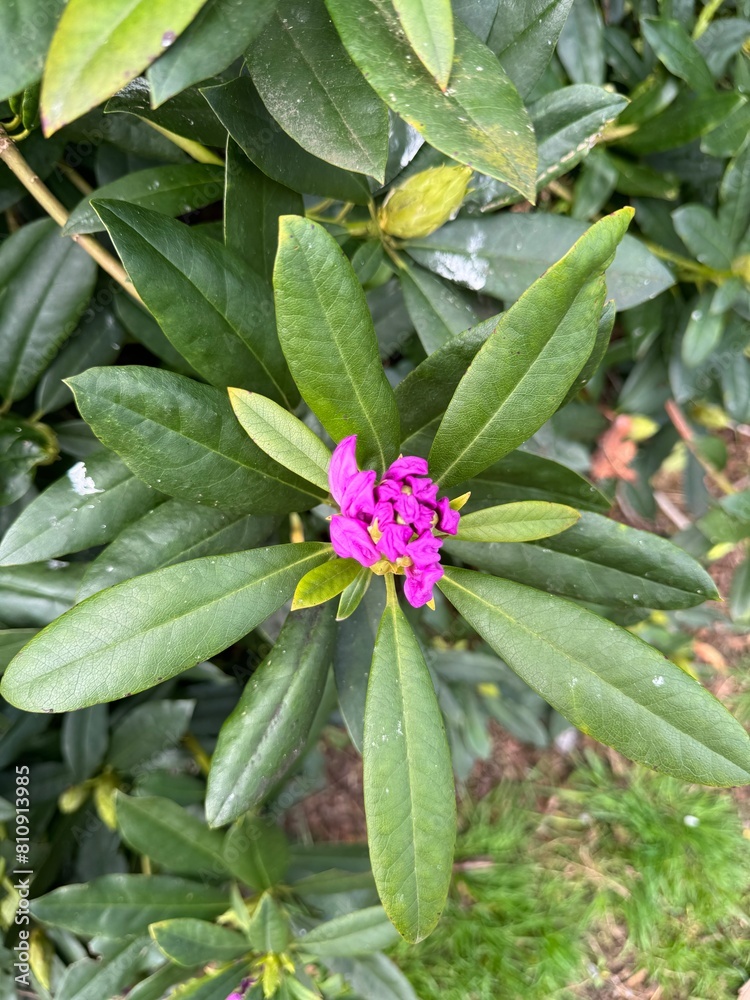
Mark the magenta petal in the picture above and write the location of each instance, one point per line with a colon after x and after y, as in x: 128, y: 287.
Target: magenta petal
x: 359, y: 495
x: 384, y: 514
x: 342, y: 467
x: 418, y: 585
x: 447, y: 517
x: 407, y: 465
x: 424, y: 550
x: 407, y: 506
x: 425, y: 490
x: 351, y: 540
x: 389, y: 489
x: 424, y: 522
x: 394, y: 541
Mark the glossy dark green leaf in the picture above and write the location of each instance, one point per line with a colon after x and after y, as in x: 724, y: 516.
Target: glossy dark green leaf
x: 45, y: 283
x: 479, y: 119
x: 212, y: 305
x: 734, y: 198
x: 121, y: 905
x: 523, y: 371
x: 523, y: 34
x: 170, y: 836
x: 601, y: 561
x: 503, y: 254
x: 283, y: 436
x: 157, y: 625
x: 352, y: 658
x: 703, y: 331
x: 687, y: 118
x: 604, y: 680
x: 268, y: 729
x: 408, y: 781
x: 190, y: 942
x: 219, y: 34
x: 173, y: 190
x: 516, y: 522
x: 581, y: 44
x: 437, y: 309
x: 173, y: 532
x: 357, y: 933
x: 327, y: 334
x: 23, y: 446
x: 12, y: 640
x: 84, y: 738
x: 146, y: 731
x: 675, y: 48
x: 314, y: 91
x: 181, y: 437
x: 142, y: 326
x: 325, y: 582
x: 698, y: 229
x: 238, y: 106
x: 256, y: 852
x: 187, y: 115
x: 26, y: 29
x: 33, y: 595
x: 429, y: 28
x: 253, y: 204
x: 87, y: 506
x: 99, y: 47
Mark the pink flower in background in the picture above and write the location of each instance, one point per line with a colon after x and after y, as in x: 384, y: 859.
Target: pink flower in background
x: 390, y: 526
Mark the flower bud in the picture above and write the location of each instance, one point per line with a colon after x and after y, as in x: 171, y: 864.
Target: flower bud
x: 424, y: 202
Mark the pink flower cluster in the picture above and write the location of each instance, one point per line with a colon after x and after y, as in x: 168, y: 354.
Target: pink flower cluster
x: 390, y: 526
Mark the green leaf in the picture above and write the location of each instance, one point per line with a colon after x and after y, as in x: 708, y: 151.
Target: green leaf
x: 353, y: 593
x: 214, y: 308
x: 408, y: 781
x: 88, y: 506
x: 122, y: 905
x: 238, y: 106
x: 26, y: 29
x: 329, y: 340
x: 256, y: 851
x: 190, y: 942
x: 502, y: 255
x: 89, y: 979
x: 374, y: 976
x: 601, y: 561
x: 173, y: 532
x: 523, y: 36
x: 739, y: 593
x: 516, y: 522
x: 35, y: 594
x: 703, y: 236
x: 220, y: 33
x: 356, y: 933
x: 269, y: 929
x: 283, y: 436
x: 479, y: 120
x: 352, y: 658
x: 429, y: 28
x: 171, y: 836
x: 268, y: 729
x: 253, y: 204
x: 603, y: 335
x: 437, y: 309
x: 525, y: 368
x: 12, y: 640
x: 675, y: 48
x: 143, y: 631
x: 181, y: 437
x: 171, y: 190
x: 45, y: 283
x: 581, y: 44
x: 604, y: 680
x: 146, y: 731
x: 734, y: 198
x: 325, y: 582
x: 213, y: 985
x: 187, y: 115
x: 155, y: 986
x: 686, y: 119
x: 703, y: 331
x: 142, y: 326
x: 23, y: 446
x: 84, y: 738
x: 728, y: 137
x: 98, y: 48
x: 314, y: 91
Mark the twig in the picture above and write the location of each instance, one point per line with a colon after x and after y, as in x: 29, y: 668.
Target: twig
x: 682, y: 427
x: 674, y: 514
x: 75, y: 179
x: 10, y: 155
x: 705, y: 17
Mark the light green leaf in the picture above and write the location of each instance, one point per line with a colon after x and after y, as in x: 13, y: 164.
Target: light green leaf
x: 88, y: 506
x: 325, y: 582
x: 502, y: 255
x: 97, y: 48
x: 314, y: 91
x: 604, y: 680
x: 357, y: 933
x: 172, y: 190
x: 256, y: 851
x: 601, y: 561
x: 143, y: 631
x: 171, y: 836
x: 172, y: 533
x: 282, y: 436
x: 516, y: 522
x: 328, y: 337
x: 268, y: 729
x: 45, y: 283
x: 352, y: 658
x: 213, y: 306
x: 525, y: 368
x: 479, y: 120
x: 219, y: 34
x: 121, y: 905
x: 181, y: 437
x: 26, y: 29
x: 35, y: 594
x: 189, y: 942
x: 675, y: 48
x: 408, y: 781
x: 269, y: 929
x: 429, y: 28
x: 353, y: 593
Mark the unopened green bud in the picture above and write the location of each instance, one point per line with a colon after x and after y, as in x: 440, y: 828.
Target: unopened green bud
x: 72, y: 798
x: 424, y: 202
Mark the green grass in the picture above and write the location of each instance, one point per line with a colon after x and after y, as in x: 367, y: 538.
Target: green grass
x: 640, y: 870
